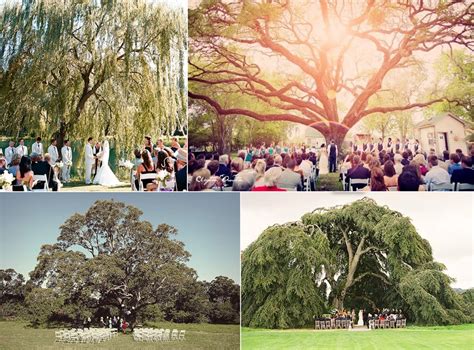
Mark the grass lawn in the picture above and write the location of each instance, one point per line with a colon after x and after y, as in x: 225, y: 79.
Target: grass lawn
x: 80, y: 186
x: 18, y: 336
x: 329, y: 182
x: 416, y: 338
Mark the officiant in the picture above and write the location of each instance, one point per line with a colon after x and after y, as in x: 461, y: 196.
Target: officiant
x: 98, y: 163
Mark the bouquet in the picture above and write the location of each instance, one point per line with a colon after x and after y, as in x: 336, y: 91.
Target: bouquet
x: 59, y: 165
x: 68, y: 163
x: 162, y: 177
x: 126, y: 164
x: 6, y: 180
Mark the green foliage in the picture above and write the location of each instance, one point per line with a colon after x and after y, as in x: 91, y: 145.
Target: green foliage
x: 432, y: 301
x: 43, y: 304
x: 79, y: 68
x: 455, y: 76
x: 351, y: 256
x: 280, y: 273
x: 109, y: 257
x: 12, y: 294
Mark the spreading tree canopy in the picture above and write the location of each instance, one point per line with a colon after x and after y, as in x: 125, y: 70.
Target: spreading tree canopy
x: 317, y: 63
x: 79, y: 68
x: 109, y: 259
x: 359, y: 255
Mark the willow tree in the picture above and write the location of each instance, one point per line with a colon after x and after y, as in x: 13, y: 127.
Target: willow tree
x: 359, y: 255
x: 317, y: 63
x: 109, y: 259
x: 75, y: 68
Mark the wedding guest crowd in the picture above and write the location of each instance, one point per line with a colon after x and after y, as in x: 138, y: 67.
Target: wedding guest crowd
x: 396, y: 167
x: 272, y: 168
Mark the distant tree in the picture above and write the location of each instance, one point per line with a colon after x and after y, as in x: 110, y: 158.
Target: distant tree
x: 12, y: 293
x: 224, y: 295
x: 360, y: 254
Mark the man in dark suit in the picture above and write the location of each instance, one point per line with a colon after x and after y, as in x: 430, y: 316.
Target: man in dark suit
x: 41, y: 167
x: 464, y: 175
x: 358, y: 171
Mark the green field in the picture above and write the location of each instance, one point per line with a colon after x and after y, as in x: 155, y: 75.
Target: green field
x: 416, y: 338
x: 18, y: 336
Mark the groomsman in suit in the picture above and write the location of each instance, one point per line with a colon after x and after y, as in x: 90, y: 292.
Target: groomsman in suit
x: 66, y: 154
x: 37, y: 147
x: 53, y: 151
x: 22, y: 150
x: 9, y: 152
x: 89, y: 160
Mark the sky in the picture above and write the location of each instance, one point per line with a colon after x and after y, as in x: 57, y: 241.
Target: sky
x: 445, y: 219
x: 208, y: 225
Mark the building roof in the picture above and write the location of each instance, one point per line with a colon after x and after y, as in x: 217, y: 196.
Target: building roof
x: 434, y: 120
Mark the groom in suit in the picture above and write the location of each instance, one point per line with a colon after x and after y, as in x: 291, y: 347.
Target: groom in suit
x: 89, y: 160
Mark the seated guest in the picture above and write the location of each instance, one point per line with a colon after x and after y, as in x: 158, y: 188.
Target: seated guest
x: 270, y: 180
x: 181, y: 170
x: 455, y: 163
x: 236, y: 166
x: 409, y: 179
x: 164, y: 161
x: 175, y: 144
x: 377, y: 182
x: 215, y: 180
x: 259, y: 168
x: 357, y: 172
x: 278, y: 160
x: 138, y: 157
x: 147, y: 167
x: 459, y: 153
x: 420, y: 160
x: 390, y: 174
x: 223, y: 171
x: 436, y: 174
x: 3, y: 165
x: 289, y: 178
x: 397, y: 158
x: 42, y: 167
x: 201, y: 180
x: 405, y: 160
x: 244, y: 181
x: 270, y: 161
x: 465, y: 174
x: 444, y: 163
x: 24, y: 175
x: 14, y: 166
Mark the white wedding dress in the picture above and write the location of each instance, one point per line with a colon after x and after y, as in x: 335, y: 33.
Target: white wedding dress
x: 105, y: 175
x: 323, y: 161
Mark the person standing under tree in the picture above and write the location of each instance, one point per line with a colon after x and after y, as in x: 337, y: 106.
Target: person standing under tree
x: 332, y: 151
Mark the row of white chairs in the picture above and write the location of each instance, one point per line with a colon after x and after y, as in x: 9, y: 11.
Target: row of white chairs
x: 92, y: 335
x: 154, y: 335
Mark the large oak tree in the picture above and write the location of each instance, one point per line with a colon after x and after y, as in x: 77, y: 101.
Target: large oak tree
x: 317, y: 63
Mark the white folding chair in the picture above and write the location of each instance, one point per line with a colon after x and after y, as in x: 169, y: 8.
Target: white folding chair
x: 458, y: 186
x: 357, y: 182
x: 181, y: 334
x: 440, y: 187
x: 145, y: 177
x: 41, y: 178
x: 392, y: 188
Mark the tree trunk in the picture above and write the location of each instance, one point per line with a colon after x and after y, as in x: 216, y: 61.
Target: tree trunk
x: 333, y: 131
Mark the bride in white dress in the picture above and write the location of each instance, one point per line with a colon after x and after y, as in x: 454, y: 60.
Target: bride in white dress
x: 323, y: 161
x: 105, y: 175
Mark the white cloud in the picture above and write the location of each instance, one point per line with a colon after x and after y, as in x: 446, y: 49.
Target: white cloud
x: 444, y: 219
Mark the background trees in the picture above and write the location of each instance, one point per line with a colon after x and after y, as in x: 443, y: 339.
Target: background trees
x: 74, y: 68
x: 109, y: 262
x: 360, y: 255
x: 317, y: 63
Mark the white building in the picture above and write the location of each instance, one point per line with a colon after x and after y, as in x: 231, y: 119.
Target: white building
x: 443, y: 132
